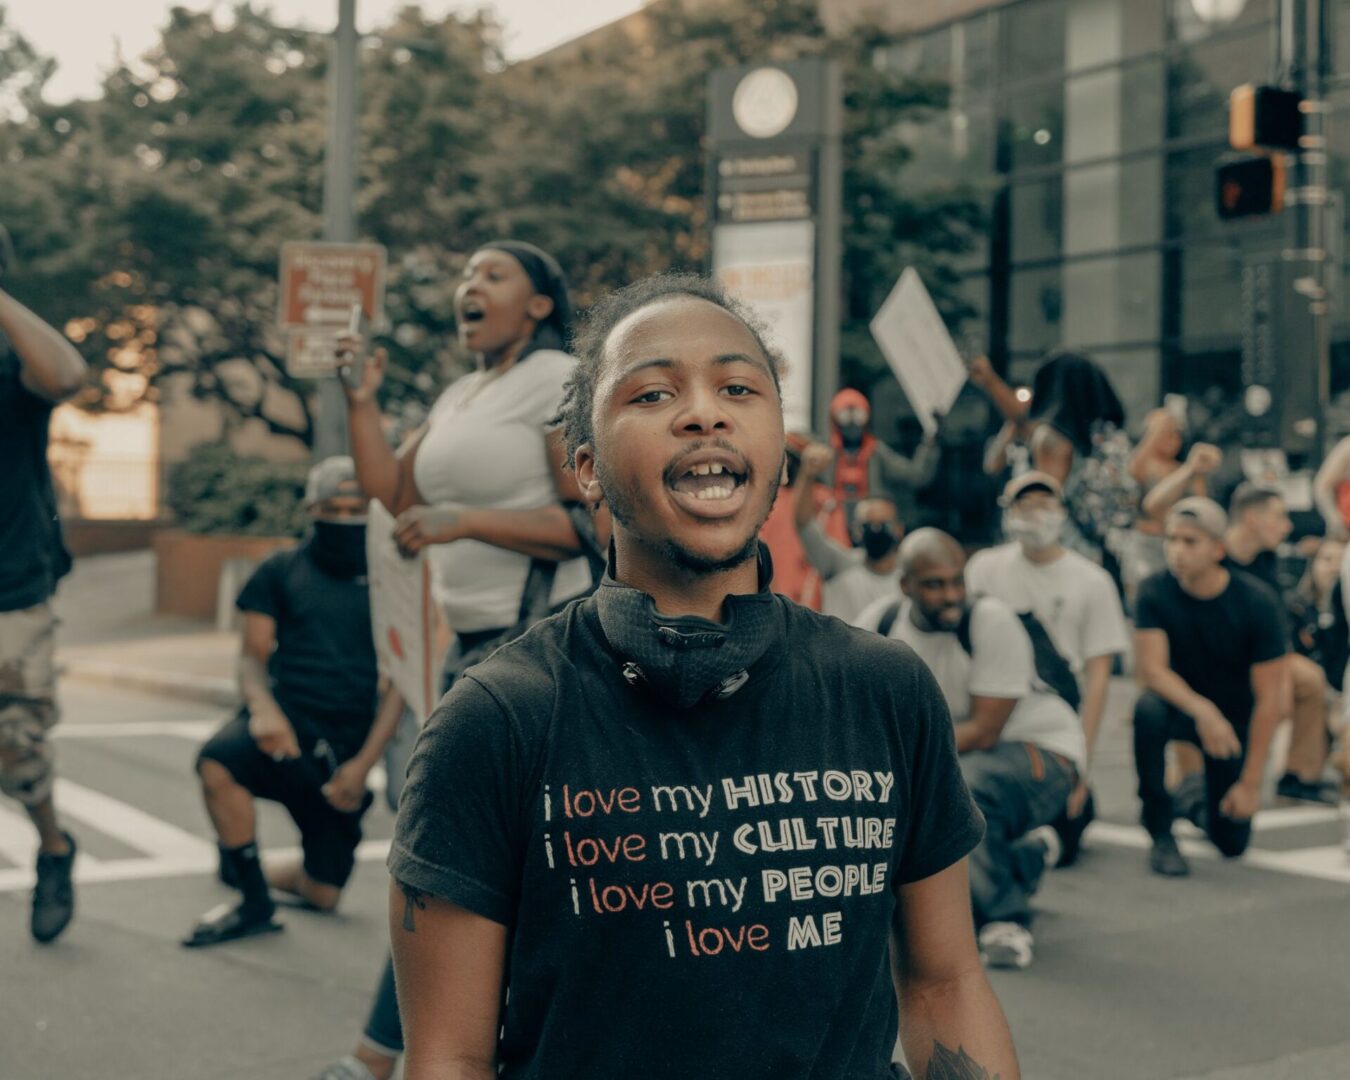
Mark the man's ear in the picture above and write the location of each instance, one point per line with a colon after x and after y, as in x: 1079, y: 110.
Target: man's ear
x: 587, y: 481
x: 540, y: 307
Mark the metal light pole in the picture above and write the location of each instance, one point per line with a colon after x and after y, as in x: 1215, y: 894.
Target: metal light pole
x: 339, y: 206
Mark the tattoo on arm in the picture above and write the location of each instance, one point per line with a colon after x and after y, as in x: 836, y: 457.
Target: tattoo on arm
x: 954, y: 1065
x: 412, y: 901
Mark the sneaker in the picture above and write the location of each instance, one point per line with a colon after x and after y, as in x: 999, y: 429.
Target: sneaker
x: 53, y: 896
x: 1190, y: 799
x: 1165, y: 858
x: 1290, y: 786
x: 1049, y: 838
x: 346, y: 1069
x: 1071, y: 831
x: 1005, y: 945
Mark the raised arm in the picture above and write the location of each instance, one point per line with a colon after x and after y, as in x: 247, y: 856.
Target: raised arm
x: 52, y: 368
x: 1171, y: 489
x: 1004, y: 397
x: 913, y: 472
x: 382, y: 473
x: 449, y: 966
x: 1334, y: 471
x: 951, y: 1024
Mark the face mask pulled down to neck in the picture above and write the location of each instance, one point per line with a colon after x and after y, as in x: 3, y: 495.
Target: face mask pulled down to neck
x: 339, y: 547
x: 1035, y: 530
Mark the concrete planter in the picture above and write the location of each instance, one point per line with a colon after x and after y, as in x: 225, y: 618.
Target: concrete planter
x: 188, y: 568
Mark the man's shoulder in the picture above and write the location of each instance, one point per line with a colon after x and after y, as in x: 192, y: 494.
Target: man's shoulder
x: 1078, y: 564
x: 824, y: 639
x: 992, y: 558
x: 1252, y: 590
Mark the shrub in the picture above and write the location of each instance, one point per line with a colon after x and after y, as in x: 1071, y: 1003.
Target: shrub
x: 216, y: 491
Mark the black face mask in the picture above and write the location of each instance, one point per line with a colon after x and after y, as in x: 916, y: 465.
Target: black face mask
x: 686, y: 659
x: 852, y: 436
x: 339, y: 547
x: 878, y: 540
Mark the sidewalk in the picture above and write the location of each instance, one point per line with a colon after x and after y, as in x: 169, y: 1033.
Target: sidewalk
x: 110, y: 634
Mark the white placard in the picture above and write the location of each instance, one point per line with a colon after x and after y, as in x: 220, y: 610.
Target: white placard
x: 919, y: 349
x: 402, y: 614
x: 769, y: 266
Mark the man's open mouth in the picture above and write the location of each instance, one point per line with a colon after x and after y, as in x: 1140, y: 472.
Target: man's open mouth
x: 709, y: 480
x: 471, y: 311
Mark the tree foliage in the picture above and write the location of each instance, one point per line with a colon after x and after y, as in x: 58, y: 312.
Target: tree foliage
x: 148, y: 222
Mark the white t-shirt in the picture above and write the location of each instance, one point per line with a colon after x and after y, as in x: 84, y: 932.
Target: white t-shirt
x: 1001, y: 664
x: 848, y: 584
x: 1074, y: 599
x: 485, y: 447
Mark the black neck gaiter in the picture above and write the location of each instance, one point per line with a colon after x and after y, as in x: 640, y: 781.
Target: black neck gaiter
x: 339, y: 548
x: 684, y: 659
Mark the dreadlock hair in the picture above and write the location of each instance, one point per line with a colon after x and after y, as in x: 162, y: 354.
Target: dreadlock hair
x: 574, y: 414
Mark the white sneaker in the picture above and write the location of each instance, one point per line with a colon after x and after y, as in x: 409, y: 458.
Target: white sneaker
x: 1005, y: 945
x: 1054, y: 846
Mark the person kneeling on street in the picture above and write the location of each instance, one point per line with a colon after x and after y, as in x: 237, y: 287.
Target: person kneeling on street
x: 1211, y: 651
x: 1020, y: 742
x: 308, y: 734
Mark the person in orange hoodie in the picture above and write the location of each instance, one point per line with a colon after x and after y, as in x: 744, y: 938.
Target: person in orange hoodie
x: 866, y: 466
x: 793, y: 574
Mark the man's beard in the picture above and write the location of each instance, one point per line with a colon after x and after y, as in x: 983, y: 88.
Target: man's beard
x: 622, y: 500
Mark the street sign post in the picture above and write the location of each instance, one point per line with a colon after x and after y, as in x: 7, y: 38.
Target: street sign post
x: 319, y: 285
x: 774, y: 182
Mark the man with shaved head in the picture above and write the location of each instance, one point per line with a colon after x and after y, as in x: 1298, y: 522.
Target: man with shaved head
x: 1021, y: 744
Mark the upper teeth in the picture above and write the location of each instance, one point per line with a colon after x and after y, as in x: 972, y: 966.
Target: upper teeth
x: 707, y: 470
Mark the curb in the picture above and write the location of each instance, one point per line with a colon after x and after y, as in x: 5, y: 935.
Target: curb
x: 207, y: 689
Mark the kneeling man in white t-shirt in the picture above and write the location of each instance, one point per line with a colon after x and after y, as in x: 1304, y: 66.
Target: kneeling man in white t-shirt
x: 1021, y: 744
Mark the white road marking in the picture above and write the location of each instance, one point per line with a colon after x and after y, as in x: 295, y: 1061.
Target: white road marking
x: 196, y: 730
x: 1327, y: 863
x: 90, y: 871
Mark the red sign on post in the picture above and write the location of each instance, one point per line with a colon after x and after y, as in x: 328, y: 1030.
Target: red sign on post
x: 321, y: 282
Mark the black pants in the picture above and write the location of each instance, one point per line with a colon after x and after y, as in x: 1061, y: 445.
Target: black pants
x: 1156, y: 723
x: 328, y: 836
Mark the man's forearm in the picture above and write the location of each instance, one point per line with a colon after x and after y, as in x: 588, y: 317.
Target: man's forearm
x: 1172, y: 688
x: 803, y: 501
x: 255, y: 687
x: 52, y: 366
x: 956, y: 1028
x: 1095, y: 686
x: 546, y: 533
x: 1168, y: 492
x: 382, y: 730
x: 1266, y: 718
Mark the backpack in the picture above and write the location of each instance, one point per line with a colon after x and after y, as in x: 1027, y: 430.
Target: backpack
x: 1051, y: 667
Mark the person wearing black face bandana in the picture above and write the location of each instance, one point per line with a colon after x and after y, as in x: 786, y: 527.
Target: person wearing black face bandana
x: 854, y: 577
x: 309, y: 732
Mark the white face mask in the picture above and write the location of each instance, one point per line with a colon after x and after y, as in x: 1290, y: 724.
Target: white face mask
x: 1035, y: 529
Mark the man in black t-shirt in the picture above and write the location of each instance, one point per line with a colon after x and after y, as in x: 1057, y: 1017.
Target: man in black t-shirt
x: 1210, y: 649
x: 1258, y: 524
x: 308, y: 734
x: 38, y: 370
x: 697, y: 829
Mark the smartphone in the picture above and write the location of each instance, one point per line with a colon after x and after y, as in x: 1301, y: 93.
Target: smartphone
x: 357, y: 324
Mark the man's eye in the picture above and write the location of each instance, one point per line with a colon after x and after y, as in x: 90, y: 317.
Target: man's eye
x: 651, y: 397
x: 738, y: 390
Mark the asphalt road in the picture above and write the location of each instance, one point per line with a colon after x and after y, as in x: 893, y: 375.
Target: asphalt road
x: 1237, y: 973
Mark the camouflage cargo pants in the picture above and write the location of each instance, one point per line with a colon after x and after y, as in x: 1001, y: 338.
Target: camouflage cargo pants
x: 27, y: 702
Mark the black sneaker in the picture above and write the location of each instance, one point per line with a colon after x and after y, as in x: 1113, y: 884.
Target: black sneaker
x: 1290, y: 786
x: 226, y: 923
x: 1191, y: 799
x: 1166, y: 859
x: 53, y: 896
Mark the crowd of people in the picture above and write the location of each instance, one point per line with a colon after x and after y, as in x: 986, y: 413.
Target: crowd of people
x: 668, y: 616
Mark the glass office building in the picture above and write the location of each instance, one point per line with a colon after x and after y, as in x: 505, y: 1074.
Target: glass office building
x: 1090, y: 130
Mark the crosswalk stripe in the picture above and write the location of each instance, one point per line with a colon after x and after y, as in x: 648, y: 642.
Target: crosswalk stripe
x: 92, y: 871
x: 126, y: 823
x: 1327, y: 863
x: 196, y: 730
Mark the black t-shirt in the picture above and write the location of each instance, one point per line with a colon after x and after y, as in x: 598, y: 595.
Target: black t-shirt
x: 705, y: 892
x: 323, y: 668
x: 1213, y: 644
x: 34, y: 556
x: 1265, y: 568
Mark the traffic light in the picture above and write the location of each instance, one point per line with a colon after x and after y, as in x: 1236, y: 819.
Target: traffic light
x: 1264, y: 117
x: 1250, y: 185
